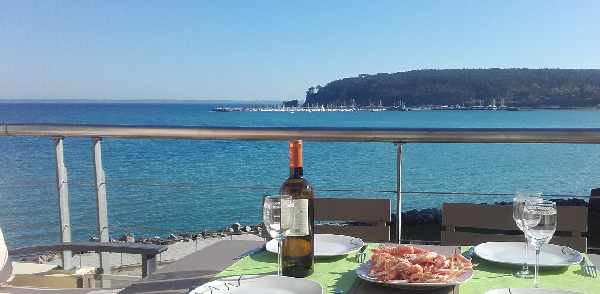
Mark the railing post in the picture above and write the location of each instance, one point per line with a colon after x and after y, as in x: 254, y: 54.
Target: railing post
x: 62, y: 189
x: 398, y: 193
x: 101, y: 207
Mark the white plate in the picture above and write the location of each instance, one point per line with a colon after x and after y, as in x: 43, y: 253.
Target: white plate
x: 513, y: 253
x: 255, y: 284
x: 328, y: 245
x: 529, y: 291
x: 364, y: 268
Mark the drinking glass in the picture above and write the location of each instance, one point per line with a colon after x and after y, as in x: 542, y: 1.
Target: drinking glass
x: 518, y: 205
x: 539, y: 220
x: 278, y: 217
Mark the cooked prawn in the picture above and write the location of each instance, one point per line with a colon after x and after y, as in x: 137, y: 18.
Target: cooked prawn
x: 415, y: 265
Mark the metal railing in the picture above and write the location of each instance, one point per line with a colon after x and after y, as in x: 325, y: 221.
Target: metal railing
x: 398, y: 136
x: 384, y: 135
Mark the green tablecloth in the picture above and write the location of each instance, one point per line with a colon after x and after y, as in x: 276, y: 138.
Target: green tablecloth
x: 489, y: 275
x: 340, y: 273
x: 333, y: 272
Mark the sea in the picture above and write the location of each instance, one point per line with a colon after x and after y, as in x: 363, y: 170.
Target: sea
x: 163, y: 187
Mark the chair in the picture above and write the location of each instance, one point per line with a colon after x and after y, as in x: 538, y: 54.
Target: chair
x: 472, y: 224
x: 369, y: 217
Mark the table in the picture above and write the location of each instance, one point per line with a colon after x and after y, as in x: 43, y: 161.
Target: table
x: 490, y: 275
x: 194, y: 269
x: 216, y: 261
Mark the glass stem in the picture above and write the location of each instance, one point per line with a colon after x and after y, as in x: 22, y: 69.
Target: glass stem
x: 537, y: 265
x: 525, y: 265
x: 279, y: 256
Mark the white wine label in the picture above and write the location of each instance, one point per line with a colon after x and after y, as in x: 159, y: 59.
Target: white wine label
x: 300, y: 227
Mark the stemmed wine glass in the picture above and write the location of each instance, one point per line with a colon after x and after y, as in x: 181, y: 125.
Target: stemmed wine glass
x: 518, y: 205
x: 278, y: 218
x: 539, y: 220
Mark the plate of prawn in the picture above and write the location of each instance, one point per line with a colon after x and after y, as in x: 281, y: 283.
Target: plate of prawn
x: 412, y: 267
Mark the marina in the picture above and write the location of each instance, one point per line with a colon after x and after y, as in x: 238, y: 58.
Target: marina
x: 391, y: 108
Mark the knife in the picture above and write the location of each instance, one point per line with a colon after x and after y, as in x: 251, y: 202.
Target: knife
x: 257, y: 249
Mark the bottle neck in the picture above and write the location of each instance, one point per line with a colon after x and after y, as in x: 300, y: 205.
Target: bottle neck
x: 296, y: 159
x: 296, y: 172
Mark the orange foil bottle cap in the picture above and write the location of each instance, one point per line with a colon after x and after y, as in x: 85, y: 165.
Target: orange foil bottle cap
x: 295, y: 154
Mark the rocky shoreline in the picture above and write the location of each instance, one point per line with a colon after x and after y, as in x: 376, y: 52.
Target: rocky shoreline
x: 411, y: 218
x: 234, y: 229
x: 414, y: 217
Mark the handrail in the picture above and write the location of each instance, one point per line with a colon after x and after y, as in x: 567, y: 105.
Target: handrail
x: 320, y: 134
x: 398, y: 136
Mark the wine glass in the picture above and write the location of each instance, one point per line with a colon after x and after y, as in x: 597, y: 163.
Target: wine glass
x: 539, y: 220
x: 518, y: 205
x: 278, y: 218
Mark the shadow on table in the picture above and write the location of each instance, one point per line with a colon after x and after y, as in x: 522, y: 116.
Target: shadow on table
x: 500, y: 269
x: 175, y: 282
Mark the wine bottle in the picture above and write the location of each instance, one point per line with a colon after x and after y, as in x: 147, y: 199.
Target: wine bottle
x: 298, y: 250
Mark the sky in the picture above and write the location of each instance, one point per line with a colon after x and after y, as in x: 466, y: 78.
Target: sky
x: 273, y: 50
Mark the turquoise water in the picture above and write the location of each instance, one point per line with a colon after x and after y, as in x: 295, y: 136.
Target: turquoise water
x: 554, y: 169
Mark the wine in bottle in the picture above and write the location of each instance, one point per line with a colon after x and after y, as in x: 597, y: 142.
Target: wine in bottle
x: 298, y: 246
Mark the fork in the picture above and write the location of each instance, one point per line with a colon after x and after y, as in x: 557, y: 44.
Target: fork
x: 361, y: 255
x: 590, y: 270
x: 469, y: 254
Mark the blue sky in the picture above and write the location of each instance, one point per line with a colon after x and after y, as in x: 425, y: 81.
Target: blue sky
x: 273, y: 50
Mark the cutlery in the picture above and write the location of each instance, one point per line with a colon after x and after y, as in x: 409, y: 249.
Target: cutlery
x: 469, y: 254
x: 259, y: 248
x: 361, y: 255
x: 590, y: 270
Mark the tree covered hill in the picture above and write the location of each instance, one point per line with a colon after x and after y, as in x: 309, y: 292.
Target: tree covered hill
x: 464, y: 87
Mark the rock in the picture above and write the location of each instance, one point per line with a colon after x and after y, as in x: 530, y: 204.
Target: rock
x: 422, y: 217
x: 29, y: 259
x: 128, y: 238
x: 156, y: 240
x: 94, y: 239
x: 172, y: 239
x: 503, y: 203
x: 188, y: 237
x: 236, y: 227
x: 53, y: 256
x: 570, y: 202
